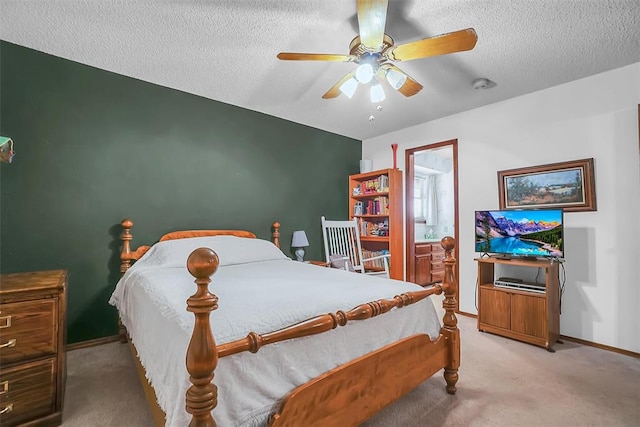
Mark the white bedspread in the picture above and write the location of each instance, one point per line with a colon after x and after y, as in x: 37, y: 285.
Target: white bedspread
x: 260, y: 295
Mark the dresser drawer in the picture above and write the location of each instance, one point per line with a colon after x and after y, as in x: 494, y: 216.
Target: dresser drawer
x: 28, y: 329
x: 437, y: 270
x: 423, y: 249
x: 437, y: 251
x: 27, y: 391
x: 437, y: 265
x: 437, y: 276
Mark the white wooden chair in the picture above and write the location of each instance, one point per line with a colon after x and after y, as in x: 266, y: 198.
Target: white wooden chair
x: 342, y: 248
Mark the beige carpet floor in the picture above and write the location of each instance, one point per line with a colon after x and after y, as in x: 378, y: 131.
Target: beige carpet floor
x: 502, y: 383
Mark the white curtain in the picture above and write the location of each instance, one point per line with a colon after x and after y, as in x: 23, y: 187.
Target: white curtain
x: 430, y: 200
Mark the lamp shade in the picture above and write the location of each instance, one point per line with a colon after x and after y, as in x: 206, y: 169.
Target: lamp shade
x: 299, y: 239
x: 364, y: 73
x: 377, y: 93
x: 395, y: 78
x: 349, y: 87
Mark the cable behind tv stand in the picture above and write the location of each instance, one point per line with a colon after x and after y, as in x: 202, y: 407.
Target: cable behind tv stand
x: 521, y: 314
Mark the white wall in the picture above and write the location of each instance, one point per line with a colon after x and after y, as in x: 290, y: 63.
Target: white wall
x: 591, y: 117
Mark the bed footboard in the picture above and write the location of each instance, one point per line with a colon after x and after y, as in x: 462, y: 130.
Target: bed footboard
x: 355, y: 391
x: 352, y: 392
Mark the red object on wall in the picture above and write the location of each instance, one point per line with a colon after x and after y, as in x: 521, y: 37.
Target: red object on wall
x: 394, y: 147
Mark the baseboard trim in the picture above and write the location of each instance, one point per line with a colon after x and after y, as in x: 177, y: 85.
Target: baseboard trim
x: 465, y: 314
x: 601, y: 346
x: 579, y: 341
x: 92, y: 343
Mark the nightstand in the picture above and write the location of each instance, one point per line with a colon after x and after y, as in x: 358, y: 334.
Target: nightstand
x: 32, y: 342
x: 320, y: 263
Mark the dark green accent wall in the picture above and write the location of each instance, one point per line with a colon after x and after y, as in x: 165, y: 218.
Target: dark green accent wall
x: 94, y: 147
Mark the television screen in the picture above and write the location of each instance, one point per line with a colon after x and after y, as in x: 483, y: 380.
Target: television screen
x: 526, y: 232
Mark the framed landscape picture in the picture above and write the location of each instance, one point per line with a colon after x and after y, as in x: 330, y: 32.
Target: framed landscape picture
x: 566, y: 185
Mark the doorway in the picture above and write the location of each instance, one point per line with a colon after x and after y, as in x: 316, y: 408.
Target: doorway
x: 431, y: 209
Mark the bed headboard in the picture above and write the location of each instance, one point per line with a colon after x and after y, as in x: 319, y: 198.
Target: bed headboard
x: 201, y: 233
x: 127, y: 256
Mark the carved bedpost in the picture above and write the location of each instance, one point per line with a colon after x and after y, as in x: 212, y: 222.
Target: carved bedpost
x: 126, y: 237
x: 202, y: 355
x: 125, y: 263
x: 276, y: 234
x: 450, y: 322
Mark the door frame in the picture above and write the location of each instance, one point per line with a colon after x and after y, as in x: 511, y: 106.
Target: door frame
x: 410, y: 228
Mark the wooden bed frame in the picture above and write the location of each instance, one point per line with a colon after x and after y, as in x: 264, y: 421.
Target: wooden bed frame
x: 345, y: 396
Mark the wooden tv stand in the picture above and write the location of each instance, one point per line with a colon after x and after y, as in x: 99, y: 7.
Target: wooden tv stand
x: 528, y: 316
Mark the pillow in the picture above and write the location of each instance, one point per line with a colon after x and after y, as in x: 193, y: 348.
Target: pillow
x: 341, y: 261
x: 231, y: 250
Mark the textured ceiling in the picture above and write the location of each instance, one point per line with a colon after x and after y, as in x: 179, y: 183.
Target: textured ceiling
x: 226, y: 50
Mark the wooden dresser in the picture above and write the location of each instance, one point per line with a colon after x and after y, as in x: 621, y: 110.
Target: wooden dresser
x: 32, y: 347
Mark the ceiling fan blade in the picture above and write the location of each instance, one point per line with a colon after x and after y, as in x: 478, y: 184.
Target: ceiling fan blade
x: 409, y: 88
x: 292, y: 56
x: 372, y: 18
x: 335, y: 89
x: 457, y: 41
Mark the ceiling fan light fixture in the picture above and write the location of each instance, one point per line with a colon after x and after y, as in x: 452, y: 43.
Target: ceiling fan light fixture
x: 377, y: 93
x: 364, y: 73
x: 374, y: 52
x: 395, y: 78
x: 349, y: 87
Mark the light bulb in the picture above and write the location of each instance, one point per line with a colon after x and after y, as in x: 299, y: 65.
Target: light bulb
x: 377, y: 93
x: 364, y: 73
x: 349, y: 87
x: 395, y: 78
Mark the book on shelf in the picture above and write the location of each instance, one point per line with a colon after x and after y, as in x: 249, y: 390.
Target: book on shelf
x: 376, y: 263
x: 374, y: 228
x: 372, y: 186
x: 377, y: 206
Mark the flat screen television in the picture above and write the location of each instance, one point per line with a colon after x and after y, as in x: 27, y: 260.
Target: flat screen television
x: 520, y: 233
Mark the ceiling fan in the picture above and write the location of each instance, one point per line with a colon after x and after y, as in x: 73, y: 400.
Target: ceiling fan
x: 375, y: 53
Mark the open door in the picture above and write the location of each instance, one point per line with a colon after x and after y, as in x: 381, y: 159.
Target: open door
x: 431, y: 173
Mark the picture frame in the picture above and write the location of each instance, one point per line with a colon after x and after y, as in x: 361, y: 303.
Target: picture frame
x: 567, y: 185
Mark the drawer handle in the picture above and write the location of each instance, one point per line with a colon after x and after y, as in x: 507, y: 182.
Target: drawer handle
x: 7, y: 409
x: 4, y: 387
x: 5, y: 322
x: 11, y: 343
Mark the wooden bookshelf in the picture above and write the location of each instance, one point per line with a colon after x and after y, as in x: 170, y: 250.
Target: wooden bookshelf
x: 375, y: 200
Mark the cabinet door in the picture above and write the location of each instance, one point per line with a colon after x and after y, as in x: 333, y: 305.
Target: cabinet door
x: 423, y: 269
x: 528, y: 315
x: 495, y: 308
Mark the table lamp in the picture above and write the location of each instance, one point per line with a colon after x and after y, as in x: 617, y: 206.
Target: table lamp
x: 299, y: 241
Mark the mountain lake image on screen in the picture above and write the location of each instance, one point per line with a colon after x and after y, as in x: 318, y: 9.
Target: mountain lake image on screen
x: 522, y: 233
